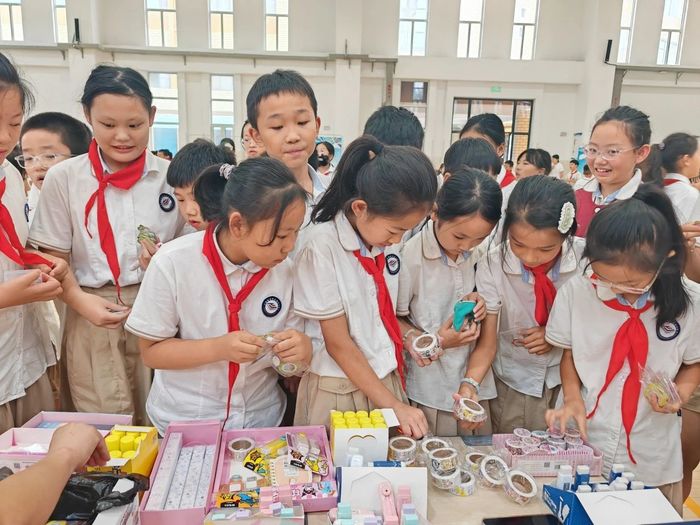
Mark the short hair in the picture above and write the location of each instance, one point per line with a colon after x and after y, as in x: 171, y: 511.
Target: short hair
x: 573, y: 161
x: 394, y: 126
x: 509, y: 163
x: 166, y: 152
x: 193, y: 158
x: 472, y: 153
x: 275, y: 83
x: 73, y: 133
x: 488, y: 125
x: 329, y: 147
x: 555, y: 156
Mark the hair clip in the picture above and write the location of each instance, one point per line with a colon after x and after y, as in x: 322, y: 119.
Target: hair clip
x: 566, y: 218
x: 225, y: 170
x: 662, y: 146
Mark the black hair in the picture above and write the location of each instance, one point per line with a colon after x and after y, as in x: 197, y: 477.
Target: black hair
x: 74, y: 134
x: 538, y: 201
x: 674, y: 147
x: 166, y: 152
x: 394, y: 126
x: 193, y: 158
x: 487, y: 124
x: 574, y: 162
x: 586, y: 168
x: 472, y: 153
x: 392, y: 180
x: 640, y: 232
x: 468, y: 191
x: 10, y: 79
x: 636, y: 123
x: 555, y: 156
x: 652, y: 172
x: 115, y: 80
x: 538, y: 158
x: 509, y: 163
x: 329, y: 147
x: 275, y: 83
x: 259, y: 189
x: 245, y: 123
x: 227, y: 141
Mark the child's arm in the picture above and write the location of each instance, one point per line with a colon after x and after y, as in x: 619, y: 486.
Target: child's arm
x: 23, y: 289
x: 481, y: 358
x: 686, y: 381
x: 574, y: 406
x: 353, y: 362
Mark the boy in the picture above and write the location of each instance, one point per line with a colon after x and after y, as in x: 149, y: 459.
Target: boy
x: 395, y: 127
x: 509, y: 169
x: 46, y: 139
x: 585, y: 178
x: 573, y: 174
x: 557, y: 168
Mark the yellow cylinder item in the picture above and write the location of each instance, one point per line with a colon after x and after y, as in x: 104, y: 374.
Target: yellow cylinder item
x: 126, y: 443
x: 119, y: 433
x: 112, y: 442
x: 349, y: 413
x: 362, y: 413
x: 128, y: 454
x: 114, y: 454
x: 380, y: 425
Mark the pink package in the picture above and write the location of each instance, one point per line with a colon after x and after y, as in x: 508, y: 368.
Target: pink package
x: 22, y: 447
x: 56, y: 419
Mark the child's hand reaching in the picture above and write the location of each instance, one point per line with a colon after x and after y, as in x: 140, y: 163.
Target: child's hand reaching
x: 480, y: 308
x: 671, y: 407
x: 240, y: 347
x: 293, y: 346
x: 575, y: 410
x: 411, y: 420
x: 533, y: 340
x: 420, y: 361
x: 466, y: 390
x: 450, y: 339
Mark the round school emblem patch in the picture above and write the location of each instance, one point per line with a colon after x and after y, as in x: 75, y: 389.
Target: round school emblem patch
x: 668, y: 331
x: 271, y: 306
x: 393, y: 264
x: 166, y: 202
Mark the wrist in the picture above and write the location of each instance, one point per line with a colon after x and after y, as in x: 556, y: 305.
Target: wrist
x: 409, y: 337
x: 470, y: 383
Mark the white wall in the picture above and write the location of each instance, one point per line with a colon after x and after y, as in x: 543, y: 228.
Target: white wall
x: 567, y: 80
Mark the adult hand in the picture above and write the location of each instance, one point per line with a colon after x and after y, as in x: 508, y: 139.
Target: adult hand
x: 81, y: 444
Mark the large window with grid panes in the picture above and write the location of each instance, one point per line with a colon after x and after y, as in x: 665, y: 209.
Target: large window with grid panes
x: 624, y: 46
x: 166, y: 126
x: 522, y: 46
x: 221, y: 24
x: 671, y: 35
x: 471, y: 13
x: 277, y: 25
x: 515, y: 114
x: 413, y: 27
x: 161, y: 23
x: 11, y: 28
x: 222, y: 110
x: 60, y: 17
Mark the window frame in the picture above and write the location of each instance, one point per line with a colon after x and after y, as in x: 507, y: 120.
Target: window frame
x: 160, y: 12
x: 670, y: 32
x: 413, y: 22
x: 14, y: 7
x: 416, y: 104
x: 630, y: 33
x: 155, y: 99
x: 524, y: 26
x: 221, y: 14
x: 57, y: 33
x: 277, y: 17
x: 469, y: 25
x: 231, y: 100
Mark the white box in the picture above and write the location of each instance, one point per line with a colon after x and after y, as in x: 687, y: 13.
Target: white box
x: 372, y: 443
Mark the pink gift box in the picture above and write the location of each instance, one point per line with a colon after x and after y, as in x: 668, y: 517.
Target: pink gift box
x: 55, y: 419
x: 263, y: 435
x: 203, y: 432
x: 16, y: 460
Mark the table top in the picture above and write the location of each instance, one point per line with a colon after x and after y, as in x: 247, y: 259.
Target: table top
x: 445, y: 508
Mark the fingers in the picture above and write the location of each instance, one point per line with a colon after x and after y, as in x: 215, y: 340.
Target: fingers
x: 149, y: 246
x: 250, y: 339
x: 582, y: 425
x: 247, y: 352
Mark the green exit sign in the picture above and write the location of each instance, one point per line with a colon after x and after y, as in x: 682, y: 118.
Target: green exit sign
x: 495, y: 89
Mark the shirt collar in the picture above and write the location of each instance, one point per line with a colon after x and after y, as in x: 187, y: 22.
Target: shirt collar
x: 678, y: 177
x: 350, y: 240
x: 229, y: 267
x: 317, y: 183
x: 432, y: 248
x: 568, y: 262
x: 640, y: 303
x: 623, y: 193
x: 148, y: 166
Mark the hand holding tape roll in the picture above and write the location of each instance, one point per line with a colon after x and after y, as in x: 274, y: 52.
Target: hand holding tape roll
x: 466, y: 409
x: 426, y: 346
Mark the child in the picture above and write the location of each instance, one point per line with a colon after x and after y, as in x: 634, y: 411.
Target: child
x: 586, y: 177
x: 508, y: 165
x: 471, y: 153
x: 632, y: 310
x: 619, y: 141
x: 519, y: 279
x: 47, y: 139
x: 394, y: 126
x: 437, y: 272
x: 557, y: 170
x: 680, y: 158
x: 237, y: 265
x: 325, y: 152
x: 89, y: 213
x: 25, y: 347
x: 251, y: 149
x: 573, y: 174
x: 346, y: 282
x: 533, y: 161
x: 183, y: 171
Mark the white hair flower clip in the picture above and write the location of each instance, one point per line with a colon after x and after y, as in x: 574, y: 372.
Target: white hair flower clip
x: 566, y: 218
x: 225, y: 170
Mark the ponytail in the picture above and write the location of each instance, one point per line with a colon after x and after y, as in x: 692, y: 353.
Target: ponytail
x: 674, y: 147
x: 651, y: 167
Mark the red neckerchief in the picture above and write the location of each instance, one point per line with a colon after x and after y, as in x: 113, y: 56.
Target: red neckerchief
x: 545, y: 292
x: 508, y: 178
x: 668, y: 182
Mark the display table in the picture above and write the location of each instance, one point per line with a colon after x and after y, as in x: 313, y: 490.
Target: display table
x: 444, y: 508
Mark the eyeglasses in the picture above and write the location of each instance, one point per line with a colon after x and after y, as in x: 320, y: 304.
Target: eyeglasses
x: 45, y: 159
x: 621, y: 288
x: 591, y: 152
x: 247, y: 141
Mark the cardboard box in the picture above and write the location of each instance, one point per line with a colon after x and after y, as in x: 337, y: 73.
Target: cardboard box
x: 22, y: 447
x: 53, y: 420
x: 142, y: 462
x: 204, y: 432
x: 372, y: 443
x: 263, y: 435
x: 630, y: 507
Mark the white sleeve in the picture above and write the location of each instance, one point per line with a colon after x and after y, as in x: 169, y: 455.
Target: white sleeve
x: 51, y: 227
x: 559, y: 326
x: 486, y: 284
x: 154, y: 314
x: 403, y: 301
x: 316, y: 292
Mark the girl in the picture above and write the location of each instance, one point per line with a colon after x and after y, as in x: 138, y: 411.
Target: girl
x: 251, y: 149
x: 518, y: 280
x: 238, y: 265
x: 631, y: 310
x: 325, y: 152
x: 438, y: 271
x: 619, y: 141
x: 90, y: 211
x: 680, y: 158
x: 471, y: 153
x: 346, y: 282
x: 533, y: 161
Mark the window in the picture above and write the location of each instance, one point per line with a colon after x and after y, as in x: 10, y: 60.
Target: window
x: 414, y: 97
x: 522, y: 45
x: 221, y: 107
x: 469, y: 40
x: 624, y: 47
x: 413, y: 24
x: 277, y: 25
x: 671, y: 28
x: 11, y: 20
x: 515, y: 114
x: 164, y: 133
x: 161, y: 21
x: 221, y: 24
x: 61, y: 21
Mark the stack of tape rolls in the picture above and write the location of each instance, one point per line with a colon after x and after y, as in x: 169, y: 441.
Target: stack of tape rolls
x: 540, y: 435
x: 443, y: 460
x: 239, y: 447
x: 473, y: 460
x: 466, y: 409
x: 466, y: 485
x: 520, y: 486
x: 514, y: 446
x: 402, y: 448
x: 430, y: 444
x: 426, y: 346
x: 445, y: 481
x: 492, y: 471
x: 522, y: 433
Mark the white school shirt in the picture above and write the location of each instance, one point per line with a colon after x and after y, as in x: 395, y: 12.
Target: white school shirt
x: 582, y: 181
x: 508, y: 290
x: 32, y: 203
x: 580, y: 321
x: 180, y: 297
x: 683, y: 196
x: 317, y: 191
x: 505, y: 191
x: 25, y: 346
x: 626, y: 192
x: 329, y: 282
x: 59, y: 223
x: 557, y: 171
x: 430, y: 283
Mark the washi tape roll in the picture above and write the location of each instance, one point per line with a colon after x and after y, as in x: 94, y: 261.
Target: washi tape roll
x: 573, y: 442
x: 239, y: 447
x: 522, y: 433
x: 473, y: 460
x: 466, y: 485
x: 528, y: 449
x: 520, y: 486
x: 572, y: 433
x: 402, y: 448
x: 549, y: 449
x: 531, y: 442
x: 426, y: 346
x: 554, y: 432
x: 443, y: 460
x: 540, y: 435
x: 492, y: 471
x: 467, y: 409
x: 445, y: 481
x: 514, y: 446
x: 557, y: 442
x: 430, y: 444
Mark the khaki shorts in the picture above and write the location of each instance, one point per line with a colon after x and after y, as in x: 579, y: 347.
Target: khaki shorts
x: 512, y: 409
x: 694, y: 402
